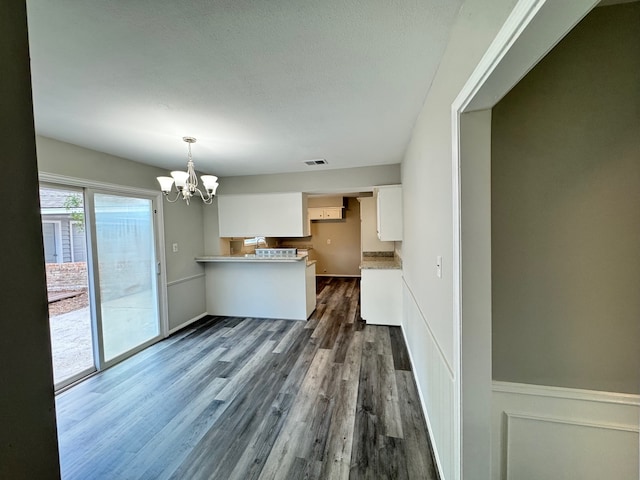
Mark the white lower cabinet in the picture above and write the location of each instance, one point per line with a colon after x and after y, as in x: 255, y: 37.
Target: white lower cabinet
x: 381, y: 296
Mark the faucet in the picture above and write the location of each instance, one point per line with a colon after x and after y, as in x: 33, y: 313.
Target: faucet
x: 260, y: 240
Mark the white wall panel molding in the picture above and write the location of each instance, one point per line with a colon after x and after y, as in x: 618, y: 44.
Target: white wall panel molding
x: 185, y: 279
x: 566, y: 393
x: 435, y: 381
x: 554, y: 432
x: 514, y: 416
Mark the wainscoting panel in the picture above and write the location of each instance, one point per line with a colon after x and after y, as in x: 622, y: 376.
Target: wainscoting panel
x: 434, y: 379
x: 551, y: 432
x: 186, y: 298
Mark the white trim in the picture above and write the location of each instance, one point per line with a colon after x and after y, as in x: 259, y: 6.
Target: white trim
x: 571, y: 421
x: 520, y: 17
x: 93, y: 184
x: 187, y: 323
x: 185, y: 279
x: 566, y: 393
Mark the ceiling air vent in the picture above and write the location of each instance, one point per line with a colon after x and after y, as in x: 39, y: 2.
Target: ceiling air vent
x: 317, y: 161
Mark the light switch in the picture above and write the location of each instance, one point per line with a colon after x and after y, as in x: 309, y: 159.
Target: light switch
x: 439, y: 266
x: 174, y: 247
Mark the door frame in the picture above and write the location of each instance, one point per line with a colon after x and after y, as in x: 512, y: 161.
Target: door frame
x: 532, y: 29
x: 91, y: 186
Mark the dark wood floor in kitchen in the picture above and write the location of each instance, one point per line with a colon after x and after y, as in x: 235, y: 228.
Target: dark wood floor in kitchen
x: 233, y: 398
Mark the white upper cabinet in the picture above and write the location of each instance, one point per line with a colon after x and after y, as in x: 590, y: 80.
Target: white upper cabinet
x: 325, y: 213
x: 267, y: 214
x: 332, y: 213
x: 389, y: 207
x: 316, y: 213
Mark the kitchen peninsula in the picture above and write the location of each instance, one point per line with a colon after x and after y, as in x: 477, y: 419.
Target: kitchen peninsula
x: 262, y: 286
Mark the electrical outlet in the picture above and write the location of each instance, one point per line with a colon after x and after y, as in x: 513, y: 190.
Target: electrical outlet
x: 328, y: 241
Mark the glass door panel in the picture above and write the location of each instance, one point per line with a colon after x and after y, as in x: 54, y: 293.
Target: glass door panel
x: 65, y: 246
x: 126, y: 261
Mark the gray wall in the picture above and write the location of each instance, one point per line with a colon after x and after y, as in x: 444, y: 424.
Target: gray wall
x: 183, y: 224
x: 28, y: 443
x: 566, y: 212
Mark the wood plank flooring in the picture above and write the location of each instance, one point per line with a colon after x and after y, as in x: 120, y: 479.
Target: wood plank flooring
x: 244, y: 398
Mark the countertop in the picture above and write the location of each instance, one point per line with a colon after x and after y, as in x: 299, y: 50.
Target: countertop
x: 252, y: 258
x: 380, y: 263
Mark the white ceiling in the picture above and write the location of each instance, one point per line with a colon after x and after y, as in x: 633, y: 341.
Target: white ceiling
x: 263, y: 86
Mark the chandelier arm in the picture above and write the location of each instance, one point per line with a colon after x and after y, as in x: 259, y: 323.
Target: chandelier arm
x: 208, y: 199
x: 166, y: 195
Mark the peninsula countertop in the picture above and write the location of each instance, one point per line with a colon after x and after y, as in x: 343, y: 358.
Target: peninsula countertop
x: 252, y: 258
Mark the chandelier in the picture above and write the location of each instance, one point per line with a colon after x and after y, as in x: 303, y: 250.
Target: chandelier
x: 187, y: 182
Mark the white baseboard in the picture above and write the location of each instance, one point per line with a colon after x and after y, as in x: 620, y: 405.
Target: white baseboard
x: 539, y: 431
x: 187, y: 323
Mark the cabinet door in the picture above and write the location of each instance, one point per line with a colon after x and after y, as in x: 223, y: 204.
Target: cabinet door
x: 316, y: 213
x: 269, y: 215
x: 389, y: 203
x: 381, y: 296
x: 332, y: 213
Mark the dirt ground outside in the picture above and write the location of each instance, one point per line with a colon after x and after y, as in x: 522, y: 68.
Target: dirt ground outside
x: 69, y: 304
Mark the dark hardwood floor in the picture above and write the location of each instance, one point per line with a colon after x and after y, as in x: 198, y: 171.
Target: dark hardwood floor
x: 234, y: 398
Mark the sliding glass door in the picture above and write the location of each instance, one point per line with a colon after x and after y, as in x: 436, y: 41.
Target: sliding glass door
x: 102, y: 277
x: 127, y: 272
